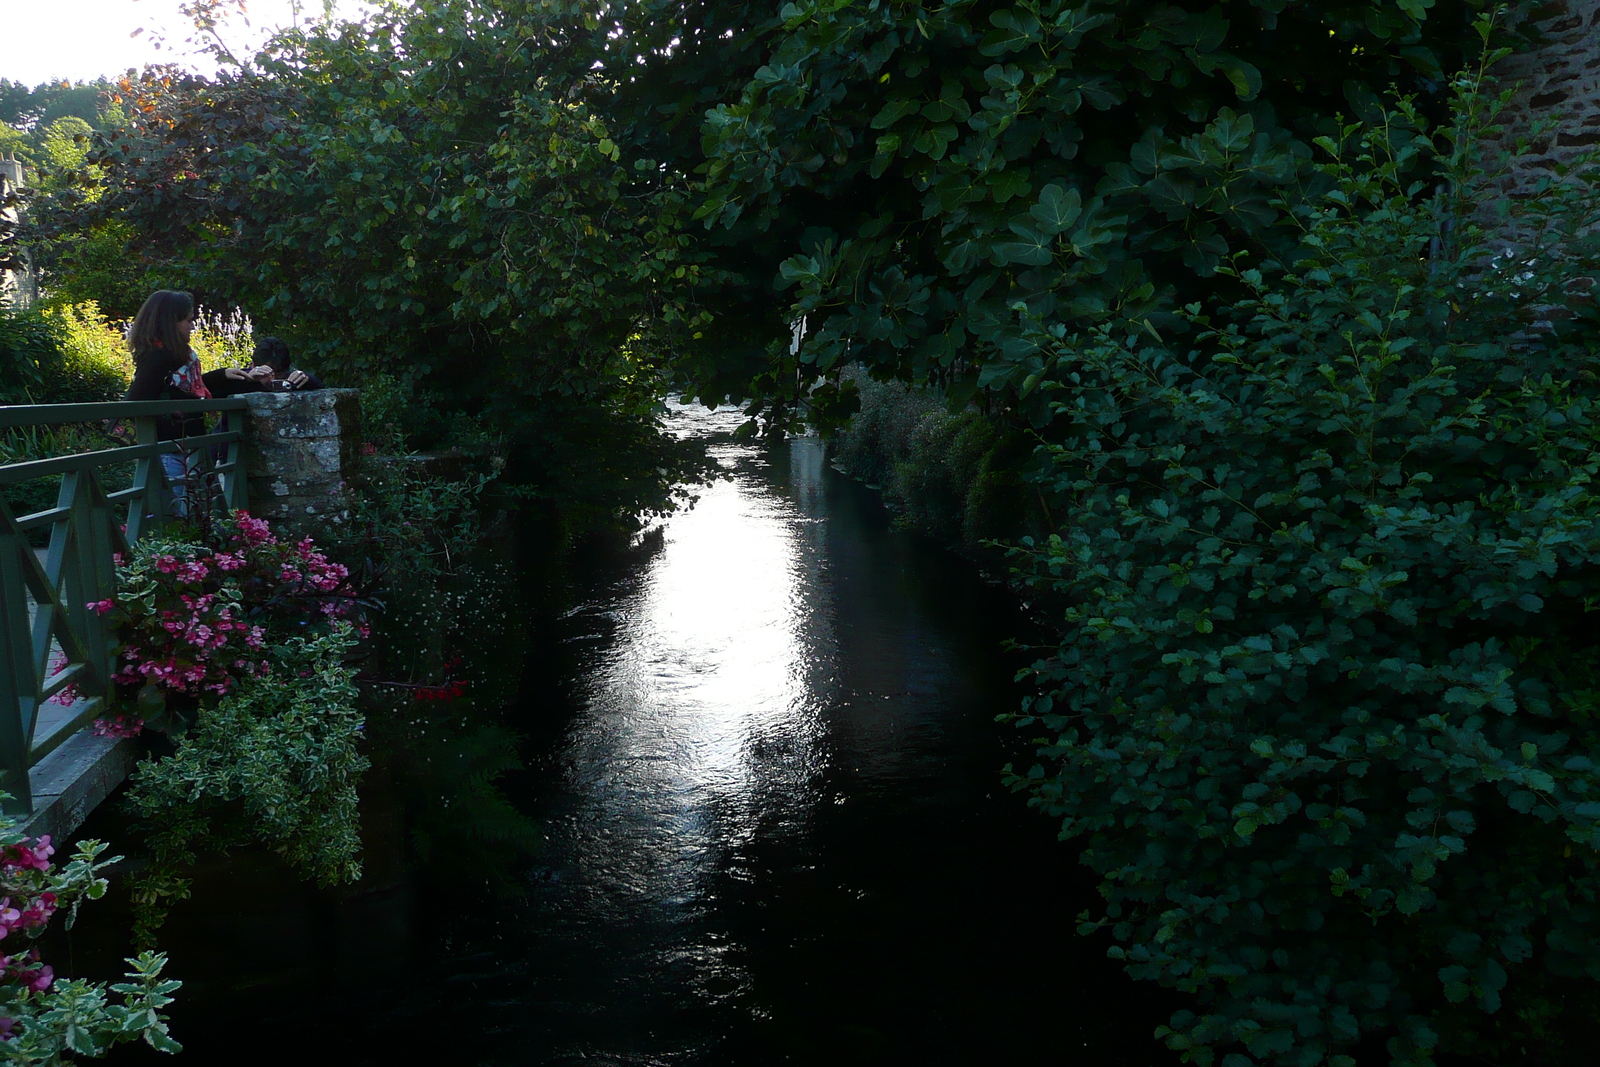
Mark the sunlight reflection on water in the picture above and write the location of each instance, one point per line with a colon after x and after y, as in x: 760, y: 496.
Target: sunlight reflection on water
x: 704, y: 721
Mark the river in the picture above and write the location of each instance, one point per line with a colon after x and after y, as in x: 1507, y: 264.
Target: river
x: 763, y: 763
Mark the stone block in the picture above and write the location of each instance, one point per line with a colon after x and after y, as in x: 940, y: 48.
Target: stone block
x: 302, y: 450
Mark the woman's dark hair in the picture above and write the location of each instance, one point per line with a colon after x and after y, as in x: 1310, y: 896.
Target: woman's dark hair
x: 272, y: 352
x: 154, y: 333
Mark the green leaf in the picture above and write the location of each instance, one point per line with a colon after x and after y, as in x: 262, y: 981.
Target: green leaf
x: 1246, y: 79
x: 1034, y: 249
x: 1057, y: 209
x: 1013, y: 31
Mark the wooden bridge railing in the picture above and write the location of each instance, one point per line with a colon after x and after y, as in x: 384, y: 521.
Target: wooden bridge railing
x: 49, y: 636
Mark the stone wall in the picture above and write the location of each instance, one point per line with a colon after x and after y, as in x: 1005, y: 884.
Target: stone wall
x: 1561, y: 80
x: 16, y: 283
x: 301, y: 450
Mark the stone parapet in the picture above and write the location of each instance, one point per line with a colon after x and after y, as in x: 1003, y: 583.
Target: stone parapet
x: 1559, y: 79
x: 301, y: 450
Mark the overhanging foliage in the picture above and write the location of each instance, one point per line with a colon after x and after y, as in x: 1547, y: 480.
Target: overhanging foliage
x: 1322, y: 714
x: 926, y: 178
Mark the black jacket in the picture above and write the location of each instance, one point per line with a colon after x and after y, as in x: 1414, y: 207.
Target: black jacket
x: 152, y: 381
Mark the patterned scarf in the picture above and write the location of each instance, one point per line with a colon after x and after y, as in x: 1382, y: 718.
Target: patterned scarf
x: 188, y: 379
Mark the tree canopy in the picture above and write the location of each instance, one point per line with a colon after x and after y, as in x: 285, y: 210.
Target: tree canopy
x: 433, y: 191
x: 925, y: 182
x: 431, y: 195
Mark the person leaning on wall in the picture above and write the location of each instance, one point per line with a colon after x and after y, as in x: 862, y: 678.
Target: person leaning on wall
x: 274, y: 354
x: 166, y: 368
x: 270, y: 372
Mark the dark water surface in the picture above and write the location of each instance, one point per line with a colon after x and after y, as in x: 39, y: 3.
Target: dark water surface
x: 765, y: 764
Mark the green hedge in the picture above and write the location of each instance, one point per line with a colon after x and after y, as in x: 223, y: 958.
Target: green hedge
x: 1325, y: 712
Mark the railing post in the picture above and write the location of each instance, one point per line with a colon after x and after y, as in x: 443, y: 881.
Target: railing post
x: 149, y: 475
x: 235, y: 485
x: 80, y: 561
x: 19, y: 692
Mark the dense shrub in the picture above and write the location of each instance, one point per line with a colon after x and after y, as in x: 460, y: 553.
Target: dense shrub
x: 277, y: 761
x: 236, y: 646
x: 955, y: 476
x: 29, y: 346
x: 1323, y: 713
x: 94, y: 264
x: 60, y: 355
x: 193, y: 619
x: 94, y: 362
x: 879, y: 434
x: 412, y: 525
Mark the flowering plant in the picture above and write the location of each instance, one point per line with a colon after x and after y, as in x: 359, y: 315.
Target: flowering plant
x: 278, y: 761
x: 43, y: 1018
x: 192, y: 619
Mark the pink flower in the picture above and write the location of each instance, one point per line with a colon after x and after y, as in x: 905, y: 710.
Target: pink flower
x: 254, y: 531
x: 194, y: 572
x: 38, y: 913
x: 17, y: 969
x: 25, y: 858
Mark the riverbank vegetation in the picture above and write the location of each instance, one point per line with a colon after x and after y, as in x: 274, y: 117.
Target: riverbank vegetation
x: 1321, y: 710
x: 1214, y: 308
x: 959, y: 477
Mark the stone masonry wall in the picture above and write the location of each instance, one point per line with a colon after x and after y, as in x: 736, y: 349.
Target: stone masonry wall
x: 16, y: 283
x: 1560, y: 79
x: 301, y: 450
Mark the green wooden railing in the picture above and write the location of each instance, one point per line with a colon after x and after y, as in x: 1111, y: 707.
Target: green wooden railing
x: 49, y: 636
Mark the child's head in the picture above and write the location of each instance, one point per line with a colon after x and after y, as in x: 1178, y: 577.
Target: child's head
x: 161, y: 329
x: 272, y: 352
